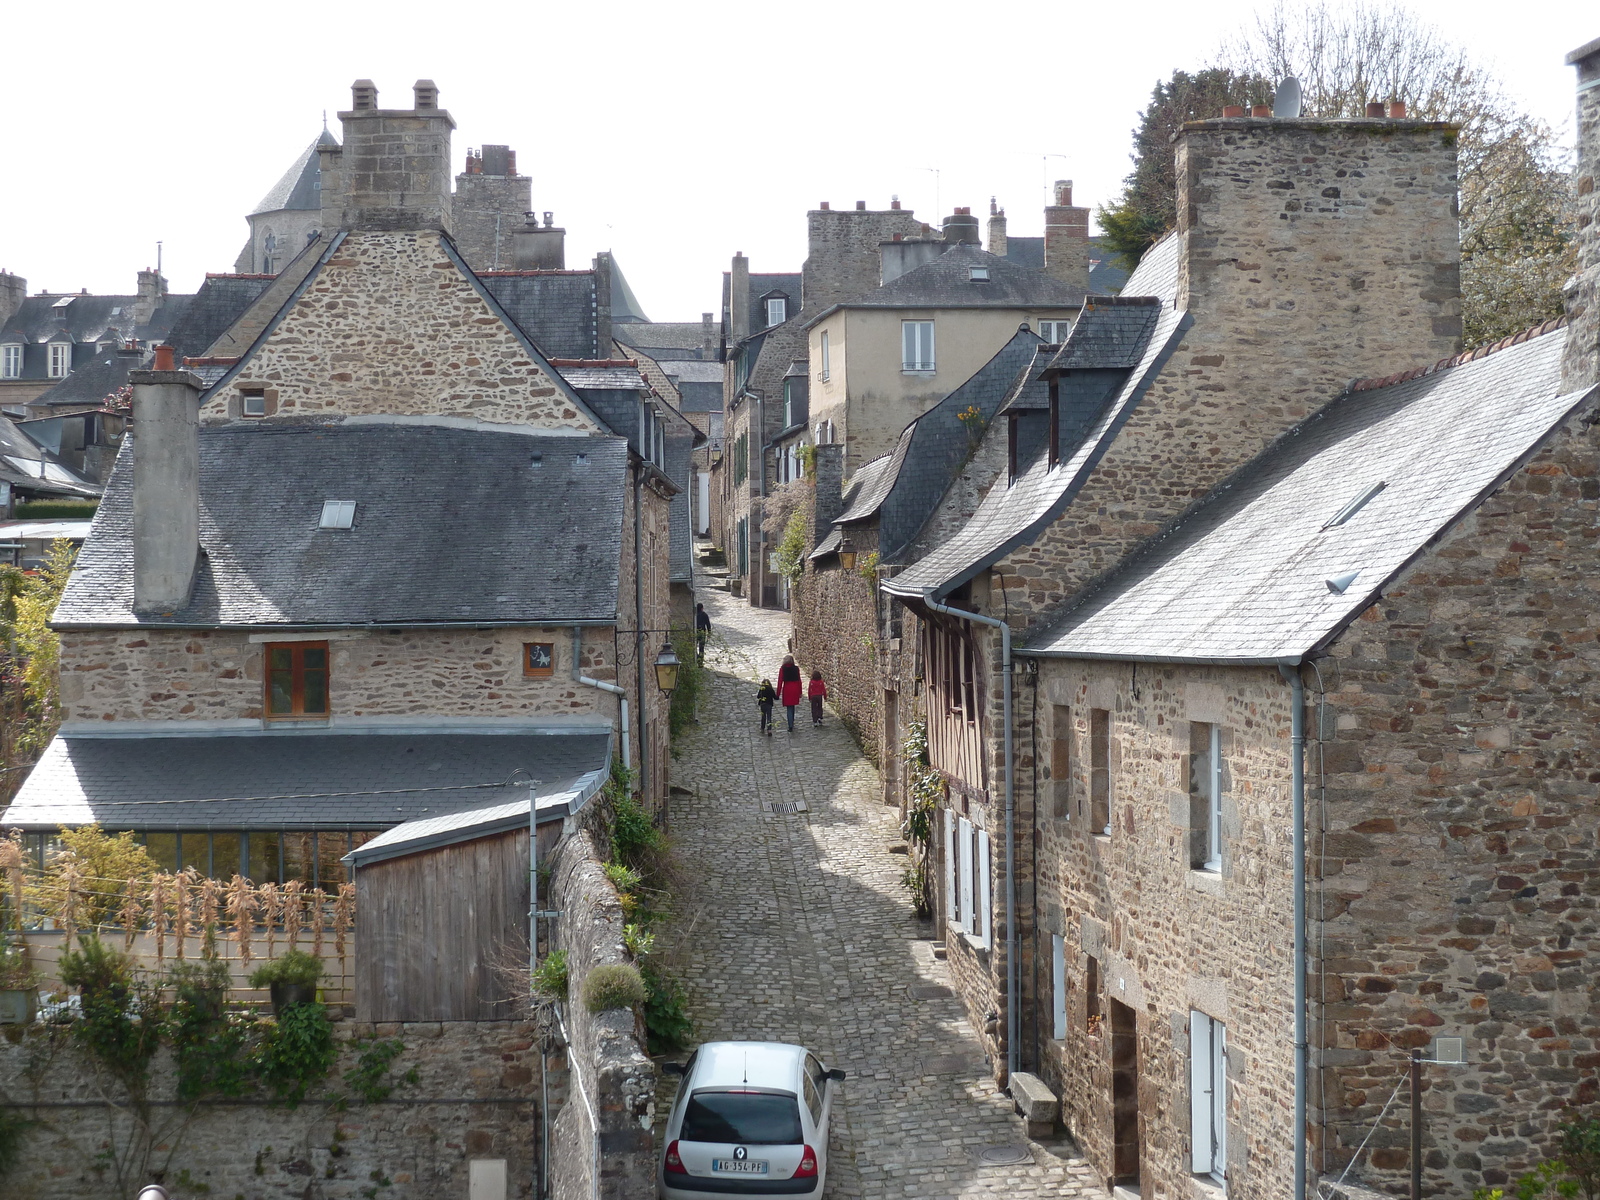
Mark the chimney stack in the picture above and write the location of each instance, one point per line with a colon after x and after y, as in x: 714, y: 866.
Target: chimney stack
x: 708, y: 338
x: 152, y: 290
x: 538, y: 247
x: 961, y: 227
x: 1066, y: 239
x: 13, y: 291
x: 997, y: 229
x: 602, y: 304
x: 166, y: 484
x: 828, y: 476
x: 1580, y: 364
x: 395, y: 165
x: 739, y: 299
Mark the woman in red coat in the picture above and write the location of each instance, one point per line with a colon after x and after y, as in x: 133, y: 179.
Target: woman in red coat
x: 789, y: 688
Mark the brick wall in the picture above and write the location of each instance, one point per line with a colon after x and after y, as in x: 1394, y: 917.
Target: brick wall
x: 390, y: 325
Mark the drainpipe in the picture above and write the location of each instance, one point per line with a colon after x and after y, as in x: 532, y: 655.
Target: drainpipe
x: 638, y: 607
x: 620, y: 693
x: 1297, y: 762
x: 1012, y: 1049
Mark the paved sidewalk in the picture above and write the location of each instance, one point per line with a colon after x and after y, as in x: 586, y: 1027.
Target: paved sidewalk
x: 799, y: 930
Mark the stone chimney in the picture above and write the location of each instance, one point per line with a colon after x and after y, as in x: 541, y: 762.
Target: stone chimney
x: 152, y: 290
x: 13, y: 291
x: 602, y: 304
x: 829, y: 496
x: 842, y: 251
x: 487, y: 211
x: 1580, y: 365
x: 166, y: 484
x: 540, y: 247
x: 708, y: 338
x: 997, y: 229
x: 961, y: 227
x: 1066, y: 239
x: 739, y: 299
x: 395, y: 168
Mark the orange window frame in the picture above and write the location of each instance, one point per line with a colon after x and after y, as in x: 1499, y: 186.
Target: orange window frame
x: 532, y: 671
x: 296, y: 672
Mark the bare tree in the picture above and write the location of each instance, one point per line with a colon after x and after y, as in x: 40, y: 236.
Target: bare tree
x: 1516, y: 225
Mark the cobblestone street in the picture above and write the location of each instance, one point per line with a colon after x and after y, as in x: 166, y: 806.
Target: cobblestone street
x: 798, y: 929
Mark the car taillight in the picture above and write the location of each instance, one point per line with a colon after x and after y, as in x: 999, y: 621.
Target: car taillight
x: 808, y: 1164
x: 674, y: 1164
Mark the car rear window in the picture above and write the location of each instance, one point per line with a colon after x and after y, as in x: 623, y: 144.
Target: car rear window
x: 759, y: 1118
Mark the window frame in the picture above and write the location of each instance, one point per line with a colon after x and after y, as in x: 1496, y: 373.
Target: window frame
x: 1056, y: 335
x: 782, y: 309
x: 825, y: 355
x: 913, y: 333
x: 1205, y: 792
x: 1208, y: 1097
x: 1058, y: 987
x: 11, y: 357
x: 297, y: 674
x: 533, y: 672
x: 1061, y: 731
x: 1100, y: 798
x: 59, y: 363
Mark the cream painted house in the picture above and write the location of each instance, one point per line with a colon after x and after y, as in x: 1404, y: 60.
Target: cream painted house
x: 880, y: 361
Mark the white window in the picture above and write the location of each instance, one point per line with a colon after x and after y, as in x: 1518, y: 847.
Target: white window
x: 969, y: 865
x: 1205, y: 796
x: 777, y: 311
x: 338, y: 514
x: 60, y: 359
x: 1058, y: 986
x: 253, y: 403
x: 1208, y: 1096
x: 11, y: 361
x: 978, y: 274
x: 964, y: 866
x: 1055, y: 332
x: 981, y: 920
x: 916, y: 346
x: 824, y: 373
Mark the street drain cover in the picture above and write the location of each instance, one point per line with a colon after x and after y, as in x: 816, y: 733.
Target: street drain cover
x: 1003, y: 1156
x: 784, y: 808
x: 931, y: 991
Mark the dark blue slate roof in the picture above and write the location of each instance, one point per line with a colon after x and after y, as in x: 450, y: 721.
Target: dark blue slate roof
x: 556, y: 309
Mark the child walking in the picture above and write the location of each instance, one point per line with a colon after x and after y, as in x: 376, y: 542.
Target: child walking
x: 818, y: 691
x: 766, y: 698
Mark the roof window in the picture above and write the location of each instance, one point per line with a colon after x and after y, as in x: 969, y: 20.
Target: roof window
x: 337, y: 514
x: 1356, y: 505
x: 978, y: 274
x: 536, y: 461
x: 63, y: 302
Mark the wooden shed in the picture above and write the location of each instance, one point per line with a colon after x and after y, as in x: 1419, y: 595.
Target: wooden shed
x: 442, y: 910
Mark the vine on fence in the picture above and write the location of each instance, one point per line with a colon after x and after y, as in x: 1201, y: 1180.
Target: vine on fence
x: 924, y: 791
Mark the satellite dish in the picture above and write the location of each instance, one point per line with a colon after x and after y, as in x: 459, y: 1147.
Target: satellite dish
x: 1286, y: 104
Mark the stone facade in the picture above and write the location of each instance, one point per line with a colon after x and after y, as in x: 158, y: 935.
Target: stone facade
x: 842, y: 251
x: 485, y: 211
x: 1582, y: 365
x: 476, y: 1099
x: 391, y: 325
x: 837, y: 632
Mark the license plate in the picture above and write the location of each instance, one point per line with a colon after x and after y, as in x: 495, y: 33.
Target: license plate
x: 739, y: 1166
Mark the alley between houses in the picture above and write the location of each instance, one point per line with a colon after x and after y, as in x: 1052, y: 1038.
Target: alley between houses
x: 799, y: 930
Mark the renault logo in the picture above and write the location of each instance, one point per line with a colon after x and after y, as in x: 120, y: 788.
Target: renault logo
x: 740, y: 1153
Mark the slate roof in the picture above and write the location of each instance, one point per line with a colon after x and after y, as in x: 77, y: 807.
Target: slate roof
x: 678, y: 445
x: 946, y: 282
x: 787, y: 282
x: 85, y: 321
x: 1107, y: 276
x: 1010, y: 516
x: 554, y: 801
x: 281, y: 779
x: 300, y: 188
x: 604, y: 378
x: 452, y: 525
x: 91, y: 383
x: 28, y: 466
x: 685, y: 336
x: 1029, y: 391
x: 1112, y: 337
x: 625, y: 306
x: 1243, y: 576
x: 221, y: 300
x: 556, y: 309
x: 694, y: 370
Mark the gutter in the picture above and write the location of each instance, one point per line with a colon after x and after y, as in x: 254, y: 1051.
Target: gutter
x: 359, y: 626
x: 1012, y: 1020
x: 620, y: 693
x: 1297, y: 692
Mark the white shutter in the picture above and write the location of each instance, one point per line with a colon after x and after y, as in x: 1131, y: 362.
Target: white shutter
x: 950, y: 900
x: 1219, y: 1099
x: 1200, y: 1093
x: 983, y: 925
x: 964, y: 840
x: 1058, y: 986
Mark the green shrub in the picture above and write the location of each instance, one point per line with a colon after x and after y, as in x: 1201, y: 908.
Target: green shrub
x: 632, y: 834
x: 623, y: 878
x: 614, y: 986
x: 666, y: 1014
x: 550, y: 976
x: 297, y: 1052
x: 96, y: 967
x: 57, y: 510
x: 200, y: 984
x: 637, y: 940
x: 16, y: 972
x: 294, y: 967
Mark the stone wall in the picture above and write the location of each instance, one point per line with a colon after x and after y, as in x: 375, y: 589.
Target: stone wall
x: 476, y: 1098
x: 486, y: 211
x: 1581, y: 366
x: 212, y: 675
x: 842, y: 251
x: 836, y: 631
x: 606, y: 1123
x: 391, y: 325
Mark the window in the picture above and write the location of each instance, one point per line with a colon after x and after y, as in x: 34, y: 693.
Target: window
x: 978, y: 274
x: 794, y: 401
x: 1100, y: 770
x: 60, y: 359
x: 539, y: 659
x: 741, y: 458
x: 777, y: 311
x: 816, y: 1083
x: 1208, y: 1096
x: 1058, y: 986
x: 1060, y: 760
x: 826, y: 365
x: 1055, y: 332
x: 337, y: 514
x: 253, y: 402
x: 916, y: 346
x: 971, y: 864
x: 297, y: 679
x: 1205, y: 796
x: 11, y: 362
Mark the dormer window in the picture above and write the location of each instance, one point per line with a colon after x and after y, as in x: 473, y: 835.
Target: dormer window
x: 11, y: 361
x: 60, y: 359
x: 337, y: 514
x: 978, y: 274
x: 777, y: 311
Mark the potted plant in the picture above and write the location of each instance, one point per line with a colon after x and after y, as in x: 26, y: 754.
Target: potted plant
x: 19, y: 986
x: 291, y: 978
x: 202, y: 985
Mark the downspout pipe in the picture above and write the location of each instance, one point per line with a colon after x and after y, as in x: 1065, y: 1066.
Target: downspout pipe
x: 1013, y: 1050
x: 1297, y: 765
x: 638, y: 615
x: 620, y: 693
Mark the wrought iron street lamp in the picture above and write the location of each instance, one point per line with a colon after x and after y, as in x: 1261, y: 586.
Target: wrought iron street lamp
x: 667, y: 669
x: 847, y: 556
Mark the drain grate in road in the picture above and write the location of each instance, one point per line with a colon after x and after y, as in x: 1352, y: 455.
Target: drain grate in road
x: 1003, y: 1156
x: 930, y: 991
x: 783, y: 808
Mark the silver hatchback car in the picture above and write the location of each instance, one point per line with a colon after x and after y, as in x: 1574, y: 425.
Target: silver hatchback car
x: 750, y: 1119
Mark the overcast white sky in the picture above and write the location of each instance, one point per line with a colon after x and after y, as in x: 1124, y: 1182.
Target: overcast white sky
x: 673, y: 133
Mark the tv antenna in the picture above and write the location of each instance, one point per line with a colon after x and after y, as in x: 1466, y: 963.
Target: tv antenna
x: 1286, y: 103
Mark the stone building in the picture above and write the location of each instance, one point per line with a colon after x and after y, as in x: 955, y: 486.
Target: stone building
x: 370, y: 568
x: 289, y: 217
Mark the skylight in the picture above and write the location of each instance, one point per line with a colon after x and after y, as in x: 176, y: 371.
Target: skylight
x: 337, y: 514
x: 1356, y: 505
x: 978, y: 274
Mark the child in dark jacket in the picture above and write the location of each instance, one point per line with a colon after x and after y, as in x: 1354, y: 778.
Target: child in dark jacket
x: 818, y: 691
x: 766, y: 698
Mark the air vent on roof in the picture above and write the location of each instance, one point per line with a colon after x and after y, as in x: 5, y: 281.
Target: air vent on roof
x: 337, y: 514
x: 1356, y: 505
x: 580, y: 460
x: 978, y: 274
x: 536, y: 460
x: 1340, y: 584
